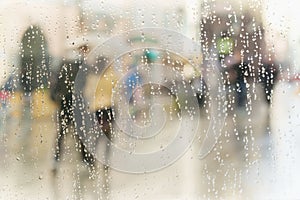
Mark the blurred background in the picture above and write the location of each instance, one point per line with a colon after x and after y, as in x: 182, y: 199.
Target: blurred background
x: 248, y: 64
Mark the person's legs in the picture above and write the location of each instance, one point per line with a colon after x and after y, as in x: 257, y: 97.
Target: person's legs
x: 105, y: 119
x: 86, y: 155
x: 59, y: 138
x: 63, y: 123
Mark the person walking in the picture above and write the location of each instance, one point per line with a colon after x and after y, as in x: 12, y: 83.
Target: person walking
x: 63, y: 94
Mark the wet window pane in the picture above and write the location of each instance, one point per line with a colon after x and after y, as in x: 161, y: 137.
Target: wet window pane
x: 185, y: 99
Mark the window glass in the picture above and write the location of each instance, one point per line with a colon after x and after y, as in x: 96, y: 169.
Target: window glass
x: 173, y: 99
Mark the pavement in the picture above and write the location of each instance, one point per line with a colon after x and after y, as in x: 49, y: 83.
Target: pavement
x: 252, y: 157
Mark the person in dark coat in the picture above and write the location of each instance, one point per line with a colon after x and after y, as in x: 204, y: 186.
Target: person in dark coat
x: 63, y: 93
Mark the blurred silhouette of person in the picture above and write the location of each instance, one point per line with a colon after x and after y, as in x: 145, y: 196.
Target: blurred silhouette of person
x: 63, y: 94
x: 34, y: 62
x: 268, y: 76
x: 7, y: 91
x: 239, y: 73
